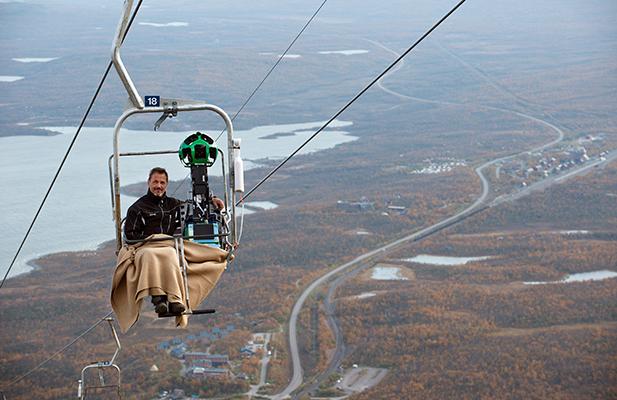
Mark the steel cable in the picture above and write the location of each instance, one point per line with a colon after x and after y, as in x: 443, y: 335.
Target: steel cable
x: 281, y: 56
x: 346, y: 106
x: 83, y: 121
x: 72, y: 342
x: 250, y: 97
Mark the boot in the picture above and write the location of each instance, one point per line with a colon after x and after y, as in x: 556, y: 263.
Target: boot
x: 160, y: 304
x: 176, y: 308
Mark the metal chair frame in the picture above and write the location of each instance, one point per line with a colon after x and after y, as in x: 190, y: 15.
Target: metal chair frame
x: 101, y: 366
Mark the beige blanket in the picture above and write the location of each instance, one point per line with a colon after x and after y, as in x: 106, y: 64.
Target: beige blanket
x: 153, y: 268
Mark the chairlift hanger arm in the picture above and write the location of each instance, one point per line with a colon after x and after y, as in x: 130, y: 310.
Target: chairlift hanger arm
x: 134, y: 96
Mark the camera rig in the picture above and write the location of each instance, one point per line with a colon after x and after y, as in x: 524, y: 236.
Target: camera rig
x: 202, y: 221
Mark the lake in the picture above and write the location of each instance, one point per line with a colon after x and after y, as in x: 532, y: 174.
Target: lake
x: 28, y: 60
x: 345, y: 52
x: 581, y: 277
x: 77, y: 215
x: 443, y: 260
x: 174, y: 24
x: 10, y: 78
x: 261, y: 205
x: 387, y: 274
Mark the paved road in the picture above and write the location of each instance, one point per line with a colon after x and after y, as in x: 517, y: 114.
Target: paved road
x: 477, y: 206
x: 264, y: 368
x: 297, y: 377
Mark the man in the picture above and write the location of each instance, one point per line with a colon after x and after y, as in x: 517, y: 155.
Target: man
x: 156, y: 213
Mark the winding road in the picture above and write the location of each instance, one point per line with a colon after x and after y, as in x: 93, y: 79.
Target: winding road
x: 363, y: 260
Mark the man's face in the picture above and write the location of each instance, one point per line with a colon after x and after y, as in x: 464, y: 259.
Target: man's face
x: 157, y: 184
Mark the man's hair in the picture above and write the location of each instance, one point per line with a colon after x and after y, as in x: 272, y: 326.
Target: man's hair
x: 158, y: 170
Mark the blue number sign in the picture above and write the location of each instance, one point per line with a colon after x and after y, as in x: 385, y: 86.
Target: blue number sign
x: 152, y: 101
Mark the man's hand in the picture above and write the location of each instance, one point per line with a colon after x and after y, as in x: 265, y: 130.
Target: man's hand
x: 218, y: 203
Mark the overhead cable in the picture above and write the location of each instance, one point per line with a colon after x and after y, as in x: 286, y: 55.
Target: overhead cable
x: 280, y: 58
x: 73, y: 141
x: 83, y: 121
x: 248, y: 99
x: 346, y: 106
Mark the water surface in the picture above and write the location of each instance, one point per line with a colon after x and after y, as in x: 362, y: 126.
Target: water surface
x: 35, y: 59
x: 264, y: 205
x: 345, y: 52
x: 443, y: 260
x: 10, y: 78
x: 174, y: 24
x: 387, y: 274
x: 581, y: 277
x: 77, y: 215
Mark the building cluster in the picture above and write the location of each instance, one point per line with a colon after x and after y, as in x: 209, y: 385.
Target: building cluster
x: 438, y: 167
x: 362, y: 205
x: 199, y: 364
x: 542, y: 165
x: 203, y: 365
x: 429, y: 166
x: 253, y: 346
x: 176, y: 394
x: 178, y: 347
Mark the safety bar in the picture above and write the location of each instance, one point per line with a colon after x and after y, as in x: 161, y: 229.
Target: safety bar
x: 181, y: 107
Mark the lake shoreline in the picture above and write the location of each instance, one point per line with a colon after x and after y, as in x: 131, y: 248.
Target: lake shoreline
x: 83, y: 187
x: 25, y: 130
x: 37, y: 264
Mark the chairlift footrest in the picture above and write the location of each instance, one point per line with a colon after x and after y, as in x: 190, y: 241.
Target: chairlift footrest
x: 193, y: 312
x: 205, y: 311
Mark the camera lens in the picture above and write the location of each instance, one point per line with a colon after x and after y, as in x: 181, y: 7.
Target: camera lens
x: 200, y: 152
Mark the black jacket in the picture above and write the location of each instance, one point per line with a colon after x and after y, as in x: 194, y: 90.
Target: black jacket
x: 151, y: 214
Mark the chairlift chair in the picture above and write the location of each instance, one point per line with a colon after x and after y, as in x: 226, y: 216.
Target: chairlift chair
x: 101, y: 367
x: 197, y: 152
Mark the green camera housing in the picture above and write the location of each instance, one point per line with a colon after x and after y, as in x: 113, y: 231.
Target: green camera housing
x: 198, y: 149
